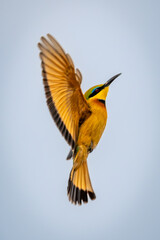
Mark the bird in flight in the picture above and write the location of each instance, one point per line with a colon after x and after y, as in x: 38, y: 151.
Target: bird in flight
x: 80, y: 118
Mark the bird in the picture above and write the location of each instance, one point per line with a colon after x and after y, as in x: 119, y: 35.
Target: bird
x: 81, y: 118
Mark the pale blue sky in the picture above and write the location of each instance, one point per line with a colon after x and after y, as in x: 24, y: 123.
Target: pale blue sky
x: 103, y: 39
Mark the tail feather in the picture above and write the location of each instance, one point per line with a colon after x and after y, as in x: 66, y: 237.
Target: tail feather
x: 79, y: 185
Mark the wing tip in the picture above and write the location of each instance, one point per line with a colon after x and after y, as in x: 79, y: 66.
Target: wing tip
x: 39, y: 45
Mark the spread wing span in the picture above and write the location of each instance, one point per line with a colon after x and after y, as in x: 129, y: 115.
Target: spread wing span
x: 65, y: 100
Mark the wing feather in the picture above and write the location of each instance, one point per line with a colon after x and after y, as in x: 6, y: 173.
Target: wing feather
x: 54, y: 51
x: 79, y: 75
x: 65, y: 99
x: 51, y: 57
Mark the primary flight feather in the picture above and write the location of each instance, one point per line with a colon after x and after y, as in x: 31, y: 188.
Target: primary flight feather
x: 80, y: 118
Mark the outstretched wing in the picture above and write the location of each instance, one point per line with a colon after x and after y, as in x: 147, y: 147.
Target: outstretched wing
x: 65, y: 100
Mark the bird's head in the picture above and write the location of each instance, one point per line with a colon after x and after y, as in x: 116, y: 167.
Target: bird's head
x: 100, y: 91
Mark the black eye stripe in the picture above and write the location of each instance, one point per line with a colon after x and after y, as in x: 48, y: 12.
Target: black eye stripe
x: 97, y: 90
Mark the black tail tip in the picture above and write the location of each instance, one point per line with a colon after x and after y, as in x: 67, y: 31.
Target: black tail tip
x: 92, y: 195
x: 77, y: 195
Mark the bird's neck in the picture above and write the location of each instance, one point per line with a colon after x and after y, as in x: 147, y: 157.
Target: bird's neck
x: 102, y: 101
x: 97, y: 103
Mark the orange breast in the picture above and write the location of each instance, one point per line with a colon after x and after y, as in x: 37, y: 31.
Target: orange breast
x: 92, y: 129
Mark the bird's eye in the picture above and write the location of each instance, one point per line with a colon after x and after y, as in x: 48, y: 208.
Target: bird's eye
x: 96, y: 90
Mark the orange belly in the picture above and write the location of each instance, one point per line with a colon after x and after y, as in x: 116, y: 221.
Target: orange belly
x: 91, y: 130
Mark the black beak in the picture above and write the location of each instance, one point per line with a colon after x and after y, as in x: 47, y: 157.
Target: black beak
x: 111, y: 80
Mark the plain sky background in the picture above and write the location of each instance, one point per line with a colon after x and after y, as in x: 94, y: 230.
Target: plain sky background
x: 103, y: 39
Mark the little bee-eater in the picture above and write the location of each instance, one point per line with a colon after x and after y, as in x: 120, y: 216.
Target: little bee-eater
x: 80, y: 118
